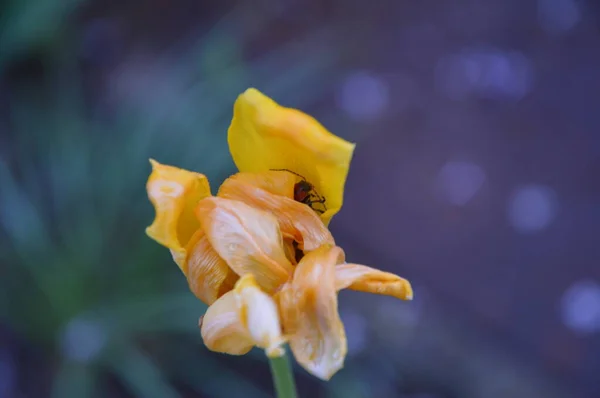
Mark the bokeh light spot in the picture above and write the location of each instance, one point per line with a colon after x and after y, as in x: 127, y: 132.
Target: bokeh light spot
x: 82, y: 339
x: 580, y: 306
x: 558, y: 16
x: 459, y: 181
x: 485, y: 73
x: 532, y: 208
x: 363, y: 96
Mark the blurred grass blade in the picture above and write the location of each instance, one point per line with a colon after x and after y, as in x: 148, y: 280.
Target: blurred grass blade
x: 74, y: 380
x: 25, y: 228
x: 25, y: 24
x: 177, y: 312
x: 139, y: 373
x: 207, y: 376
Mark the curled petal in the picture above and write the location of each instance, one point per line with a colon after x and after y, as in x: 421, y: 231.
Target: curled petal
x: 242, y: 318
x: 296, y: 219
x: 174, y: 193
x: 264, y: 135
x: 248, y: 239
x: 222, y: 328
x: 260, y: 316
x: 208, y: 275
x: 309, y: 311
x: 370, y: 280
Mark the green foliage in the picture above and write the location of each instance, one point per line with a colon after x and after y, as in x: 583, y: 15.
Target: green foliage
x: 25, y: 25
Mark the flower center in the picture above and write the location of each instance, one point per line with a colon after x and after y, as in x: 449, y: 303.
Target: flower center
x: 297, y: 252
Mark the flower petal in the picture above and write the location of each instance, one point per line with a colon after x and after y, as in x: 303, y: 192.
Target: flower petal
x: 222, y: 328
x: 174, y: 193
x: 208, y: 275
x: 371, y: 280
x: 260, y: 316
x: 296, y: 219
x: 242, y: 318
x: 248, y: 239
x: 264, y: 135
x: 309, y: 311
x: 292, y: 252
x: 276, y: 182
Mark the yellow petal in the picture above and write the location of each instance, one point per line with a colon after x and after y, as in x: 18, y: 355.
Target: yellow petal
x: 242, y: 318
x: 260, y: 316
x: 248, y: 239
x: 208, y: 275
x: 309, y: 311
x: 296, y: 220
x: 174, y: 193
x: 222, y: 328
x: 370, y: 280
x: 264, y: 135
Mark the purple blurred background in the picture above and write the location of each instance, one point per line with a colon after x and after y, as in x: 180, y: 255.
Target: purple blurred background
x: 475, y: 176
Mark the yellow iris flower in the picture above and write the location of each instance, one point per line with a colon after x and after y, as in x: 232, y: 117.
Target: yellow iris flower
x: 259, y: 252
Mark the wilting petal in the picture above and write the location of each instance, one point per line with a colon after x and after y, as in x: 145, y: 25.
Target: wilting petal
x: 370, y: 280
x: 296, y: 219
x: 260, y: 316
x: 174, y: 193
x: 208, y: 275
x: 309, y: 311
x: 264, y: 135
x: 292, y: 252
x: 248, y: 239
x: 277, y: 182
x: 242, y: 318
x: 222, y: 327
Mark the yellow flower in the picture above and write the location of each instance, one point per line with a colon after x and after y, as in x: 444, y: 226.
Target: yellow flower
x: 304, y: 295
x: 259, y: 252
x: 263, y: 137
x: 176, y: 195
x: 289, y: 265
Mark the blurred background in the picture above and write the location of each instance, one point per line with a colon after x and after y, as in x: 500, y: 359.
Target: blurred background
x: 477, y: 125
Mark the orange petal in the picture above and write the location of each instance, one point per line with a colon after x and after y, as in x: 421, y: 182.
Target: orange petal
x: 242, y: 318
x: 370, y: 280
x: 291, y: 250
x: 277, y: 182
x: 295, y: 219
x: 260, y: 316
x: 248, y: 239
x: 222, y: 328
x: 208, y: 275
x: 264, y: 135
x: 309, y: 311
x: 174, y: 193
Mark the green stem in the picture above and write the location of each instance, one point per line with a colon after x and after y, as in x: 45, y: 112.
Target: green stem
x: 283, y: 377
